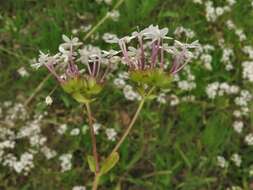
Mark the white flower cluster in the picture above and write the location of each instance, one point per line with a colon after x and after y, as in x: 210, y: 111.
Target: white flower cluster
x: 239, y: 32
x: 96, y: 127
x: 222, y: 162
x: 234, y: 188
x: 227, y: 56
x: 213, y: 13
x: 62, y: 129
x: 247, y: 70
x: 184, y: 31
x: 248, y: 50
x: 219, y: 89
x: 204, y: 54
x: 66, y: 164
x: 174, y: 100
x: 130, y: 94
x: 11, y: 138
x: 108, y: 37
x: 111, y: 134
x: 161, y: 98
x: 236, y: 159
x: 238, y: 126
x: 121, y: 82
x: 243, y: 99
x: 79, y: 188
x: 188, y: 83
x: 23, y: 72
x: 48, y: 153
x: 13, y: 113
x: 114, y: 15
x: 249, y: 139
x: 23, y: 165
x: 75, y: 132
x: 48, y: 100
x: 197, y: 1
x: 81, y: 29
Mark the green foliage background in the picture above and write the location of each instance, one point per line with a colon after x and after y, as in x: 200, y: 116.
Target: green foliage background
x: 170, y: 147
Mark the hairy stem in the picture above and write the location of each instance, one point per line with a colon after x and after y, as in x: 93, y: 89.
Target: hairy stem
x: 93, y: 137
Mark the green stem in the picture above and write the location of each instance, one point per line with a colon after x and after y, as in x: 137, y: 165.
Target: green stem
x: 129, y: 127
x: 96, y: 182
x: 102, y: 20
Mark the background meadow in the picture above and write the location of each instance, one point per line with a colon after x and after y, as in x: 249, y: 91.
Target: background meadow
x: 197, y: 135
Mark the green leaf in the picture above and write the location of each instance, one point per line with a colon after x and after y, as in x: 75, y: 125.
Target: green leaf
x: 92, y: 163
x: 151, y: 97
x: 109, y: 163
x: 80, y: 98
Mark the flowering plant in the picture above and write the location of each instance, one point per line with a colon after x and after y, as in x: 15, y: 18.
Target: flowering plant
x: 146, y: 61
x: 83, y: 74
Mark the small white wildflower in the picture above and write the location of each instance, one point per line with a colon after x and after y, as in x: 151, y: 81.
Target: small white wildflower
x: 110, y: 38
x: 234, y: 188
x: 238, y: 126
x: 161, y: 98
x: 79, y: 188
x: 111, y: 134
x: 174, y: 100
x: 221, y: 162
x: 62, y: 129
x: 23, y: 72
x: 96, y: 127
x: 70, y: 42
x: 130, y: 94
x: 49, y: 154
x: 49, y: 100
x: 237, y: 113
x: 66, y: 164
x: 74, y: 31
x: 108, y: 2
x: 154, y: 33
x: 249, y: 139
x: 251, y: 171
x: 119, y: 83
x: 197, y: 1
x: 231, y: 2
x: 75, y: 132
x: 219, y: 11
x: 114, y: 15
x: 236, y: 158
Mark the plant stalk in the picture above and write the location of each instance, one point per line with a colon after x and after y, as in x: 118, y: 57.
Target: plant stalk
x: 93, y: 137
x: 129, y: 127
x: 96, y: 181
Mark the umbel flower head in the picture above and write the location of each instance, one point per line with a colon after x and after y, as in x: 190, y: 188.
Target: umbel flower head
x: 146, y: 61
x: 82, y: 81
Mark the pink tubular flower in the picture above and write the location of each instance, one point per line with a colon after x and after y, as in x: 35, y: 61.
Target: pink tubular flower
x: 150, y: 51
x: 83, y: 87
x: 63, y: 65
